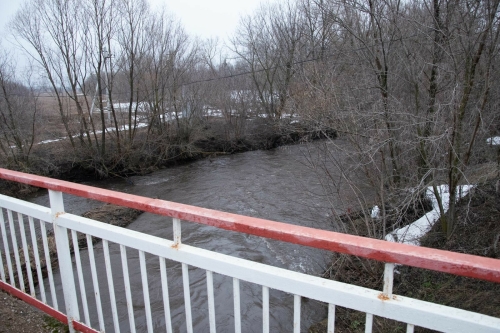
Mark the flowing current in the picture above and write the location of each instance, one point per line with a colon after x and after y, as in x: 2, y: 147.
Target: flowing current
x: 276, y: 185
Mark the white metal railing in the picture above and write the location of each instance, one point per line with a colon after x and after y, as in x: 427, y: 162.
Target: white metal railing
x: 18, y: 258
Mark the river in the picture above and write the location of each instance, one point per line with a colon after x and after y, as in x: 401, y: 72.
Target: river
x: 277, y: 184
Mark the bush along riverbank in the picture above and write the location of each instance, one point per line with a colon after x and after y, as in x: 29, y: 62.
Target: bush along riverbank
x: 477, y: 232
x: 60, y: 160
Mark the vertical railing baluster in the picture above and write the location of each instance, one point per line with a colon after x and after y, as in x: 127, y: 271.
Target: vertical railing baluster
x: 185, y: 277
x: 296, y: 314
x: 2, y: 271
x: 211, y: 301
x: 95, y: 282
x: 111, y: 287
x: 81, y: 281
x: 331, y: 318
x: 236, y: 300
x: 166, y: 300
x: 64, y: 257
x: 6, y: 248
x: 388, y: 279
x: 38, y: 266
x: 27, y: 260
x: 48, y: 264
x: 177, y: 231
x: 128, y: 294
x: 265, y: 309
x: 369, y: 323
x: 187, y: 297
x: 15, y: 249
x: 145, y: 290
x: 410, y: 328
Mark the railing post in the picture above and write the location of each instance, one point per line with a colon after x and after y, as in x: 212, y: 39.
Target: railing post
x: 388, y: 279
x: 177, y: 231
x: 64, y: 258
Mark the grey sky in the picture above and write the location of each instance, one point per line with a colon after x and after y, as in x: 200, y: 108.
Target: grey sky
x: 204, y: 18
x: 7, y: 10
x: 209, y: 18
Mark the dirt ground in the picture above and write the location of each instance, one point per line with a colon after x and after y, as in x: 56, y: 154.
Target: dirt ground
x: 17, y: 316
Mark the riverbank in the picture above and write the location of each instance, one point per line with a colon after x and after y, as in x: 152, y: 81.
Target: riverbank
x: 57, y: 160
x: 16, y: 316
x: 477, y: 232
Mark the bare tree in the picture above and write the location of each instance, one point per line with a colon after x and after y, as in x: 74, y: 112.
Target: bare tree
x: 133, y: 38
x: 99, y: 32
x: 477, y: 28
x: 230, y: 94
x: 406, y: 83
x: 18, y: 115
x: 29, y: 26
x: 268, y: 43
x: 160, y: 66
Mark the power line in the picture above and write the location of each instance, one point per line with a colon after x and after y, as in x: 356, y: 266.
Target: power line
x: 299, y: 62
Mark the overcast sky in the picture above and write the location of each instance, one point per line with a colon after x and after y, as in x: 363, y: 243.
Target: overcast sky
x: 204, y: 18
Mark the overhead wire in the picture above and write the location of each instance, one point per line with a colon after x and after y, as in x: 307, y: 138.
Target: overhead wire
x: 229, y: 76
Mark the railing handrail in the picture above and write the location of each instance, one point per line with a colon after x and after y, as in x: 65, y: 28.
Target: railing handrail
x: 438, y: 260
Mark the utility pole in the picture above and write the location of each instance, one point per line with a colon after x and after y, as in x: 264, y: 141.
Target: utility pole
x: 106, y: 56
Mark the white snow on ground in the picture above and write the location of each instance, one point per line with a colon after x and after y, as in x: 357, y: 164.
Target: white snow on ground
x: 214, y: 112
x: 48, y: 141
x: 412, y: 233
x: 140, y: 124
x: 375, y: 212
x: 283, y: 116
x: 493, y: 141
x: 170, y: 116
x: 108, y: 129
x: 123, y: 128
x: 141, y: 107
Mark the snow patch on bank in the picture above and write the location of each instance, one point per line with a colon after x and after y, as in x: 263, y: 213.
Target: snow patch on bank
x: 108, y: 129
x: 375, y: 212
x: 412, y: 233
x: 495, y: 141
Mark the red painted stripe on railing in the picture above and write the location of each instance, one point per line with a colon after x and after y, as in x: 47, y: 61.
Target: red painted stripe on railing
x: 45, y: 308
x: 437, y: 260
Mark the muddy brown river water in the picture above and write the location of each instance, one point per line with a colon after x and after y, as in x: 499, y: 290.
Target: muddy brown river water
x: 277, y: 185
